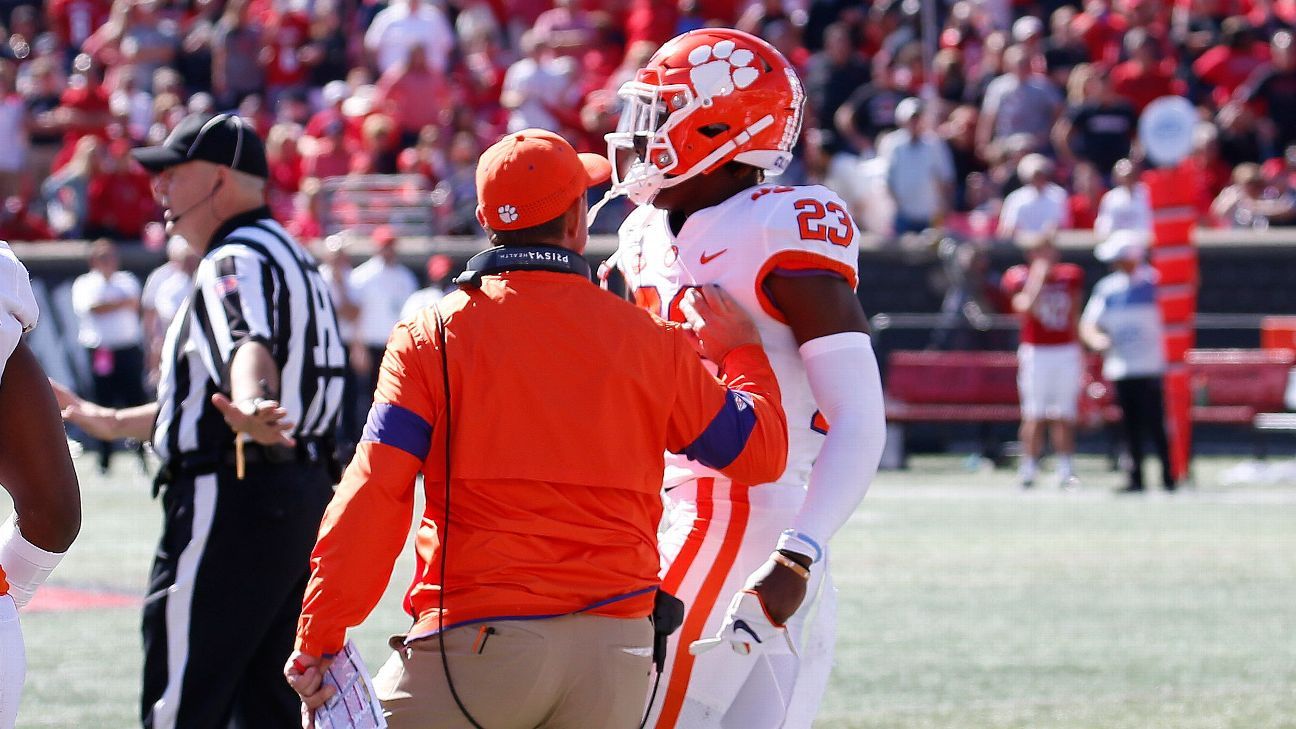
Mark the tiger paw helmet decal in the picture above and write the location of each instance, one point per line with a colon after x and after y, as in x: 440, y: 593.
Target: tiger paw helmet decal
x: 720, y: 69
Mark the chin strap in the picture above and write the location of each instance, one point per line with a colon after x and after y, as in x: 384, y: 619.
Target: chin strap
x: 605, y: 268
x: 598, y: 206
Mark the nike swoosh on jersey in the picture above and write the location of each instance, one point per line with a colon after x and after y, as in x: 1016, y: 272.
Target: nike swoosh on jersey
x: 709, y: 258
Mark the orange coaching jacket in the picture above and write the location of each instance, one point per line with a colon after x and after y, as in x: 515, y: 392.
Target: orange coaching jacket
x: 564, y: 399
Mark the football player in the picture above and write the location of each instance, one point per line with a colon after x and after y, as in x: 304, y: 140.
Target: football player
x: 713, y: 114
x: 36, y: 470
x: 1045, y: 293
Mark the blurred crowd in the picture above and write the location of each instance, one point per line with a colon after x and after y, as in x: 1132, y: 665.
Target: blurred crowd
x: 1036, y: 95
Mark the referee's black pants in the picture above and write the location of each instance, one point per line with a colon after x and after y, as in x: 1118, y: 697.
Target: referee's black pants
x: 225, y: 594
x: 1143, y: 415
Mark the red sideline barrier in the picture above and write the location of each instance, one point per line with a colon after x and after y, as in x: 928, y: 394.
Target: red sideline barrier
x: 1173, y: 194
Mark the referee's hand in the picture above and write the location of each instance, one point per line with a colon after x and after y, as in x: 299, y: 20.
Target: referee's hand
x: 261, y: 420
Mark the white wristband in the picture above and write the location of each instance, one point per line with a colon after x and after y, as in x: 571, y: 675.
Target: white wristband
x: 794, y: 541
x: 26, y: 566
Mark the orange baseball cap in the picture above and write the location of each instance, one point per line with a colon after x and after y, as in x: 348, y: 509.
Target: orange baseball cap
x: 531, y: 177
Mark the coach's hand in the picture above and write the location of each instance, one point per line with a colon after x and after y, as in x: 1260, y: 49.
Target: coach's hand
x: 96, y: 420
x: 306, y: 676
x: 718, y: 324
x: 262, y: 420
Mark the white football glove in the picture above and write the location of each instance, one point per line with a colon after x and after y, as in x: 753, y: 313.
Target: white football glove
x: 746, y: 626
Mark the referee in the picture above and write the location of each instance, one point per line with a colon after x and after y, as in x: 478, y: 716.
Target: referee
x: 253, y: 353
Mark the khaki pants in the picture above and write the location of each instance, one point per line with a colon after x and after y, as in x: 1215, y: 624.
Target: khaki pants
x: 572, y: 672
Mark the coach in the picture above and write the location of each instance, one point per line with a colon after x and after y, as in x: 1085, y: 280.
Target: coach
x: 253, y: 353
x: 541, y: 406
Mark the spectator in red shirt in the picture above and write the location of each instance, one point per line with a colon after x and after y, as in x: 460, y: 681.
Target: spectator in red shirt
x: 120, y: 196
x: 380, y: 148
x: 327, y: 156
x: 75, y: 20
x: 1101, y: 30
x: 1280, y: 170
x: 1145, y: 77
x: 19, y: 223
x: 651, y: 21
x: 426, y: 158
x: 308, y: 211
x: 1226, y: 66
x: 1087, y: 191
x: 1208, y: 171
x: 481, y: 76
x: 414, y: 95
x: 333, y: 95
x: 285, y: 163
x: 83, y: 108
x: 284, y: 53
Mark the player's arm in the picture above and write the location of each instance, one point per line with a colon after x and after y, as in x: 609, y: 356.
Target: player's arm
x: 36, y: 469
x: 830, y: 326
x: 102, y: 422
x: 1025, y: 300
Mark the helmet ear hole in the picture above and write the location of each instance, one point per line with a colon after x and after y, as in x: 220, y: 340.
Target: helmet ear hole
x: 711, y: 131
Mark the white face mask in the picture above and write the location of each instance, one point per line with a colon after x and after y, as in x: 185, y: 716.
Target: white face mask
x: 640, y: 150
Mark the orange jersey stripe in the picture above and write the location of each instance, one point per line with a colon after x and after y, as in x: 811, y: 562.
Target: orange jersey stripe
x: 684, y: 560
x: 695, y: 622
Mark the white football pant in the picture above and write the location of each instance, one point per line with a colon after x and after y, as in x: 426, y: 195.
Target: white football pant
x: 13, y: 662
x: 714, y: 536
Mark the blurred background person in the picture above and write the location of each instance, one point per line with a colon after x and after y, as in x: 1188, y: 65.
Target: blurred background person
x: 439, y: 268
x: 107, y: 303
x: 920, y: 170
x: 380, y: 287
x: 336, y: 269
x: 1251, y: 202
x: 1127, y: 206
x: 1039, y: 206
x: 1122, y: 321
x: 1045, y: 294
x: 165, y: 290
x: 65, y: 195
x: 407, y: 23
x: 1021, y: 101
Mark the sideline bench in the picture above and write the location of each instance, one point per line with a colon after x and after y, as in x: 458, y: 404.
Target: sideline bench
x: 960, y: 387
x: 1236, y: 387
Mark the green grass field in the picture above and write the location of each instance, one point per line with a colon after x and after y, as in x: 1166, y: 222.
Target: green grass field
x: 964, y: 603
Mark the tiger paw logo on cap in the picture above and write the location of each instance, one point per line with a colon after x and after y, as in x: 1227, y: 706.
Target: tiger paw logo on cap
x: 507, y: 213
x: 720, y: 69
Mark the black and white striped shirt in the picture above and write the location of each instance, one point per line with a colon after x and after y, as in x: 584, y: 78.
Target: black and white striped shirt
x: 254, y: 284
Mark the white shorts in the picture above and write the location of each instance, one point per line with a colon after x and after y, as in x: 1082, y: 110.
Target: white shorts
x: 13, y: 662
x: 714, y: 535
x: 1048, y: 380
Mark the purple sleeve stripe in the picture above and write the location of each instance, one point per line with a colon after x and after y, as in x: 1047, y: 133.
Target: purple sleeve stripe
x: 726, y: 436
x: 397, y: 427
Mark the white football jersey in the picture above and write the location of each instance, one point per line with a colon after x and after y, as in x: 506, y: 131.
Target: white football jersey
x: 18, y: 310
x: 736, y: 245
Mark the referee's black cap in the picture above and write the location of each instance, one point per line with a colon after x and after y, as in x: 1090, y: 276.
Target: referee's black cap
x: 223, y: 139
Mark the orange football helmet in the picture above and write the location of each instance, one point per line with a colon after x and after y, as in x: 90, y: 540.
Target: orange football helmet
x: 707, y: 97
